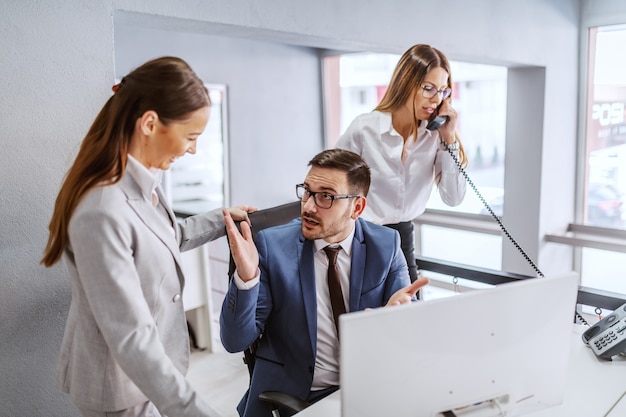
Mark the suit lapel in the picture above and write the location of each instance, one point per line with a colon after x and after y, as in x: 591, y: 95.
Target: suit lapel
x: 150, y: 216
x: 307, y: 283
x: 357, y: 267
x: 168, y: 210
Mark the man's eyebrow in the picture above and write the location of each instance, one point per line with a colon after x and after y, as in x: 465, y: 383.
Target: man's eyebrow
x: 323, y: 189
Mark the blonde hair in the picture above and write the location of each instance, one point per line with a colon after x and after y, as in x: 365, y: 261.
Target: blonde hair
x: 408, y: 76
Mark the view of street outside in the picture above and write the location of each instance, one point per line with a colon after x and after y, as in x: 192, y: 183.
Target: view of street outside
x: 605, y: 158
x: 605, y: 185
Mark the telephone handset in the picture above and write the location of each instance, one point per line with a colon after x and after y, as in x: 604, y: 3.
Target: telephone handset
x: 607, y: 337
x: 436, y: 122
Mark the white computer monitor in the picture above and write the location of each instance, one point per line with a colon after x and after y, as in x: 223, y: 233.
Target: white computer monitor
x: 501, y: 351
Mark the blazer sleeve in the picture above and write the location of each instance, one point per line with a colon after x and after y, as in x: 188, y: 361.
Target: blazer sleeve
x: 244, y: 312
x: 237, y: 319
x: 398, y: 276
x: 197, y: 230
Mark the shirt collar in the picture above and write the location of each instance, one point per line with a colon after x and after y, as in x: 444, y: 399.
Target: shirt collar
x: 345, y: 244
x: 147, y: 179
x: 386, y: 125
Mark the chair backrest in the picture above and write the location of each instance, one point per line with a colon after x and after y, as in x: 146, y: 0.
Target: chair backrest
x: 273, y: 216
x: 262, y: 219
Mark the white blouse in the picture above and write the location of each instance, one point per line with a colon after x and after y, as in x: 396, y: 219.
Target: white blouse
x: 399, y: 191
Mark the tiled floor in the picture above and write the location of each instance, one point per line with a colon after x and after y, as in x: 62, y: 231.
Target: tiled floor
x: 220, y: 378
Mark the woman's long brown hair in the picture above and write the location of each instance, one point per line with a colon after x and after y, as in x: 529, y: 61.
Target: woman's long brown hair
x: 408, y: 76
x: 165, y: 85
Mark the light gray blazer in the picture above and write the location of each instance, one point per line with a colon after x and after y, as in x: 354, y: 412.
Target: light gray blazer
x: 126, y: 339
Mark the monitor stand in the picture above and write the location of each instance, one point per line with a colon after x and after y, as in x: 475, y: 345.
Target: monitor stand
x: 488, y: 408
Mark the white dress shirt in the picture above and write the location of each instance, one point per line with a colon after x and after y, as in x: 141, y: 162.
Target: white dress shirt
x: 147, y: 179
x: 326, y: 372
x: 399, y: 191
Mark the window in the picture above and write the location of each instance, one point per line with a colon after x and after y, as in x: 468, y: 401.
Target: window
x: 604, y: 159
x: 479, y: 96
x: 355, y: 83
x: 605, y: 136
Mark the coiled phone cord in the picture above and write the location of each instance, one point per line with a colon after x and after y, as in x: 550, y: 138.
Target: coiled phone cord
x: 490, y: 210
x: 497, y: 219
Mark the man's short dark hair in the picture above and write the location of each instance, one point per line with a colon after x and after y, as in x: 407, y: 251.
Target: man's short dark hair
x: 359, y: 176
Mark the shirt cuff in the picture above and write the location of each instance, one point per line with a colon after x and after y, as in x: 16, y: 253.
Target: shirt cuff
x: 240, y: 284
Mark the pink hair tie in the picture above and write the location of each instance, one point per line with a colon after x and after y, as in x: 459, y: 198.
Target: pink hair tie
x: 116, y: 87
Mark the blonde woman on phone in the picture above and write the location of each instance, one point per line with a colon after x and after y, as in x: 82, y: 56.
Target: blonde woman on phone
x: 407, y: 157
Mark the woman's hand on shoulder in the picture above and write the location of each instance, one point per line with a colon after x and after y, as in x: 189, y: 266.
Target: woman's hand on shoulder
x: 240, y: 213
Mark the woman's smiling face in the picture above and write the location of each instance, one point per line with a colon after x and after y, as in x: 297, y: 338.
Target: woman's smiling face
x: 169, y: 142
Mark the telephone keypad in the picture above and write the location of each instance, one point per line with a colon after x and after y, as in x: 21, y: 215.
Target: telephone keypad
x: 607, y: 343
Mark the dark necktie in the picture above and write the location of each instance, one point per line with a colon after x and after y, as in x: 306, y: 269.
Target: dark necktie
x: 334, y: 285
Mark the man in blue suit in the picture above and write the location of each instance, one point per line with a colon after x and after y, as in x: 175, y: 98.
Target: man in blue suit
x: 280, y: 288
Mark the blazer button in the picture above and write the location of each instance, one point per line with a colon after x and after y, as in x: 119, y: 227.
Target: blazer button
x: 176, y: 298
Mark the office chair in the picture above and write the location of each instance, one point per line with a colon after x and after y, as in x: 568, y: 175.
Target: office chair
x: 260, y: 220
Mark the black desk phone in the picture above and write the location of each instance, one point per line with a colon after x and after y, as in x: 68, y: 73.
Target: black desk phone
x: 607, y: 337
x: 436, y: 122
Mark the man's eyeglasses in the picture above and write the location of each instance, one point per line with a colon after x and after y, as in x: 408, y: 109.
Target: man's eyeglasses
x: 321, y: 199
x: 428, y: 91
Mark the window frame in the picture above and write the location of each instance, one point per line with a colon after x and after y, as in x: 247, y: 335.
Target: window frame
x: 578, y: 234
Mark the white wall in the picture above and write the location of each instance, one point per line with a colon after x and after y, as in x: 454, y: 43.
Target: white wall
x: 58, y: 67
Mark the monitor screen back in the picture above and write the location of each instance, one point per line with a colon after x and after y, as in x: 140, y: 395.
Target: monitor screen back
x: 481, y: 353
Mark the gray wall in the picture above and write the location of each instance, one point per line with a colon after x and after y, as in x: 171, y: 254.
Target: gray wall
x: 273, y: 97
x: 58, y: 65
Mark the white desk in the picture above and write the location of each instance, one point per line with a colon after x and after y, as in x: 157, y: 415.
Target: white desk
x: 593, y: 387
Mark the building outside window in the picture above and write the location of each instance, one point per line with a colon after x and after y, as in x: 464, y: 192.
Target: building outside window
x: 605, y: 136
x: 604, y: 160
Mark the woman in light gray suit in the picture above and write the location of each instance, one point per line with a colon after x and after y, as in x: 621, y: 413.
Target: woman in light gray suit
x: 125, y: 350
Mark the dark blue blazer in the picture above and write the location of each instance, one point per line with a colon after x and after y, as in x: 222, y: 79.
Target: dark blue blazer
x: 283, y: 306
